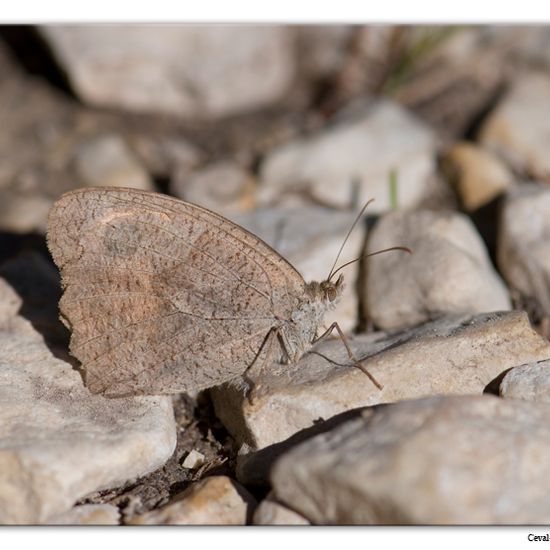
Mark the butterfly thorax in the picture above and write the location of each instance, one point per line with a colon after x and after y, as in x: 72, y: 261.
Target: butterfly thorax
x: 298, y: 332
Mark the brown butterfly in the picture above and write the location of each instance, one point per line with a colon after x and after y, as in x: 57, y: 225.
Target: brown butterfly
x: 163, y: 296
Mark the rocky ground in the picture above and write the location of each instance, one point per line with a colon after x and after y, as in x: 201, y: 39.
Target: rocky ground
x: 288, y: 131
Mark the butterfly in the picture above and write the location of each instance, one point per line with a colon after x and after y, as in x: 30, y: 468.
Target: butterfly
x: 163, y: 296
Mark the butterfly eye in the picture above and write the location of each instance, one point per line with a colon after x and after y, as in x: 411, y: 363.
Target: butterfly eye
x: 331, y: 294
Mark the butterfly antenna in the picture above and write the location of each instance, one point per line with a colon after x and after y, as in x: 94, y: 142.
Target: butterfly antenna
x: 346, y: 239
x: 403, y: 248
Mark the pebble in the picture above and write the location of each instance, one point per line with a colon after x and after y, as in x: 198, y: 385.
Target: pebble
x: 88, y: 514
x: 216, y: 500
x: 351, y: 161
x: 107, y: 161
x: 453, y: 355
x: 58, y: 442
x: 477, y: 175
x: 529, y: 382
x: 522, y: 251
x: 193, y: 460
x: 223, y: 187
x: 459, y: 460
x: 517, y: 131
x: 166, y: 156
x: 270, y: 512
x: 449, y: 270
x: 22, y: 212
x: 193, y: 71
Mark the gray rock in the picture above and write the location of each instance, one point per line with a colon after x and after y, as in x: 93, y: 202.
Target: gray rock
x: 477, y: 175
x: 216, y: 500
x: 516, y: 129
x: 165, y: 156
x: 270, y: 512
x: 530, y: 382
x: 88, y: 514
x: 188, y: 70
x: 22, y: 212
x: 442, y: 460
x: 10, y: 303
x: 224, y: 187
x: 522, y: 252
x: 327, y: 47
x: 456, y: 76
x: 309, y: 238
x: 107, y: 161
x: 454, y: 355
x: 365, y: 150
x: 58, y: 442
x: 449, y: 270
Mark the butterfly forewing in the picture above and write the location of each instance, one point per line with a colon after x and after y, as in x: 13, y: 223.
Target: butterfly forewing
x: 163, y: 296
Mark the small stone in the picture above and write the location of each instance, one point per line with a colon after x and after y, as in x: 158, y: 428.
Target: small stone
x: 216, y: 500
x: 58, y: 442
x: 194, y: 71
x: 309, y: 238
x: 516, y: 129
x: 453, y: 355
x: 455, y: 460
x: 529, y: 382
x: 455, y: 77
x: 449, y: 270
x: 361, y: 152
x: 270, y: 512
x: 10, y: 303
x: 193, y: 460
x: 107, y: 161
x: 166, y: 156
x: 224, y: 187
x: 477, y: 175
x: 522, y: 253
x: 22, y: 212
x: 327, y: 47
x: 88, y: 514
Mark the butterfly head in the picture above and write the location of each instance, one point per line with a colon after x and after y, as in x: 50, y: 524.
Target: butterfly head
x: 331, y: 291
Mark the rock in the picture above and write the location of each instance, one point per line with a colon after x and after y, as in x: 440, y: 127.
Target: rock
x: 270, y: 512
x: 449, y: 73
x: 165, y: 155
x: 216, y: 500
x: 22, y: 212
x: 223, y: 187
x: 530, y: 382
x: 88, y: 514
x: 253, y: 467
x: 363, y: 150
x: 107, y: 161
x: 522, y: 252
x: 454, y: 355
x: 36, y: 281
x: 309, y: 238
x: 326, y: 46
x: 193, y: 460
x: 457, y: 460
x: 58, y: 442
x: 10, y: 303
x: 449, y: 270
x: 184, y: 70
x: 477, y: 175
x: 516, y: 129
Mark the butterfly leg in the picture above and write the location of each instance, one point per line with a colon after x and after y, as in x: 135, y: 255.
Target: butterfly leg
x: 264, y: 355
x: 356, y: 362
